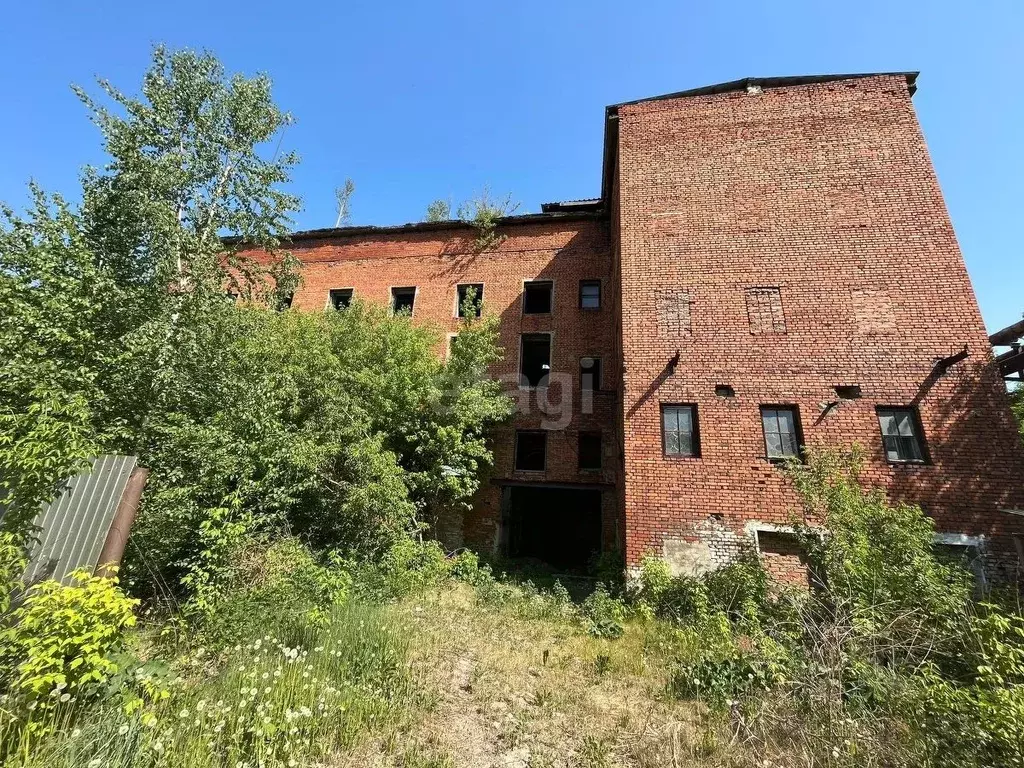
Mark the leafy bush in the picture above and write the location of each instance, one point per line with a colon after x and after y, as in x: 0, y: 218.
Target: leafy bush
x: 275, y: 586
x: 605, y: 615
x: 12, y: 565
x: 877, y: 561
x: 887, y: 661
x: 58, y: 644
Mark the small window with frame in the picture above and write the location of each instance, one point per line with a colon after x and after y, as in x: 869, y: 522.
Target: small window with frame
x: 537, y: 297
x: 590, y: 374
x: 340, y: 298
x: 589, y: 452
x: 531, y: 450
x: 679, y: 434
x: 403, y: 300
x: 534, y: 359
x: 469, y: 295
x: 781, y: 425
x: 902, y: 437
x: 590, y: 294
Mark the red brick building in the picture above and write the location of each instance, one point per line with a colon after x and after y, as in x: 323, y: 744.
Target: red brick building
x: 770, y: 264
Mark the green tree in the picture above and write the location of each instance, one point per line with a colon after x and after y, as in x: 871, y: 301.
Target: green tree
x: 116, y: 335
x: 439, y: 210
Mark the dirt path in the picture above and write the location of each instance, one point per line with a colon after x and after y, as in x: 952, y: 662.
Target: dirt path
x: 510, y: 692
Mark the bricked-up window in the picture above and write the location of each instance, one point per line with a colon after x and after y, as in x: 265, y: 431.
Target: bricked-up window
x: 872, y: 311
x: 531, y: 450
x: 590, y: 294
x: 764, y: 310
x: 589, y: 450
x: 340, y: 298
x: 781, y: 425
x: 901, y: 435
x: 474, y: 293
x: 535, y: 359
x: 537, y: 297
x: 673, y: 307
x: 590, y: 374
x: 679, y: 435
x: 402, y: 300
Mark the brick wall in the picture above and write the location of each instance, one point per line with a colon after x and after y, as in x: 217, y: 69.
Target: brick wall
x: 806, y: 228
x: 436, y: 262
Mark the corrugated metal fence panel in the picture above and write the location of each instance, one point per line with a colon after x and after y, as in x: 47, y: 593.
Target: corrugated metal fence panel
x: 74, y: 526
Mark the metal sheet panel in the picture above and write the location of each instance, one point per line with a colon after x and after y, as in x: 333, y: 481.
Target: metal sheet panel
x: 73, y: 527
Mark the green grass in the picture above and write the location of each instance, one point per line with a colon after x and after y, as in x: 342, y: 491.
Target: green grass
x: 263, y: 703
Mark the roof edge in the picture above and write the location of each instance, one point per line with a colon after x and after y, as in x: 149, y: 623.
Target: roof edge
x: 429, y: 226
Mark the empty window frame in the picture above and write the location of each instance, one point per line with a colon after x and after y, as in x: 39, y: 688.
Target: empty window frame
x: 590, y: 374
x: 537, y: 297
x: 340, y: 298
x: 901, y: 435
x: 679, y: 435
x: 590, y: 294
x: 403, y: 299
x: 285, y: 301
x: 531, y: 450
x: 589, y: 451
x: 781, y: 425
x: 534, y: 359
x: 470, y: 296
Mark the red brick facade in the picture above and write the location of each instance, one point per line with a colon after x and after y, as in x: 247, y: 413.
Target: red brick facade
x: 759, y: 244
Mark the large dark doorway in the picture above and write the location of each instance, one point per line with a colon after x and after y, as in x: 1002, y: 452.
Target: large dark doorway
x: 558, y: 526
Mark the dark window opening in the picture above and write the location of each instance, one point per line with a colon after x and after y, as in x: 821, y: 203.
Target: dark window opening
x: 285, y: 301
x: 590, y: 374
x: 535, y: 360
x: 231, y: 297
x: 724, y: 390
x: 781, y: 543
x: 679, y: 430
x: 471, y: 296
x: 402, y: 300
x: 848, y: 391
x: 559, y: 527
x: 341, y: 298
x: 901, y: 435
x: 531, y: 451
x: 537, y: 297
x: 590, y: 294
x: 590, y: 450
x: 781, y: 432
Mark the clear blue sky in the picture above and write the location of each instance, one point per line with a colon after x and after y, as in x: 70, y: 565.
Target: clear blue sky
x: 416, y: 101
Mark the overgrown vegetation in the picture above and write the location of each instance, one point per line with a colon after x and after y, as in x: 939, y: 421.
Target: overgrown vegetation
x: 285, y: 448
x: 482, y: 212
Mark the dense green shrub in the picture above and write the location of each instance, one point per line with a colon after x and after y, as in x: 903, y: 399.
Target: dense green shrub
x: 886, y: 660
x: 605, y: 615
x: 274, y: 586
x: 59, y: 642
x: 12, y: 565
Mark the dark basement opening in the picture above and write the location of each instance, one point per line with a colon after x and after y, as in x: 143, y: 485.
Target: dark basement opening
x: 560, y: 527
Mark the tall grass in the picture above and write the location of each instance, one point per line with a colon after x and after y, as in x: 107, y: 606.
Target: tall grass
x: 269, y: 702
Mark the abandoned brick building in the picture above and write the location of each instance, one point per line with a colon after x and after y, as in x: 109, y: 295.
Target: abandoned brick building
x: 770, y: 264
